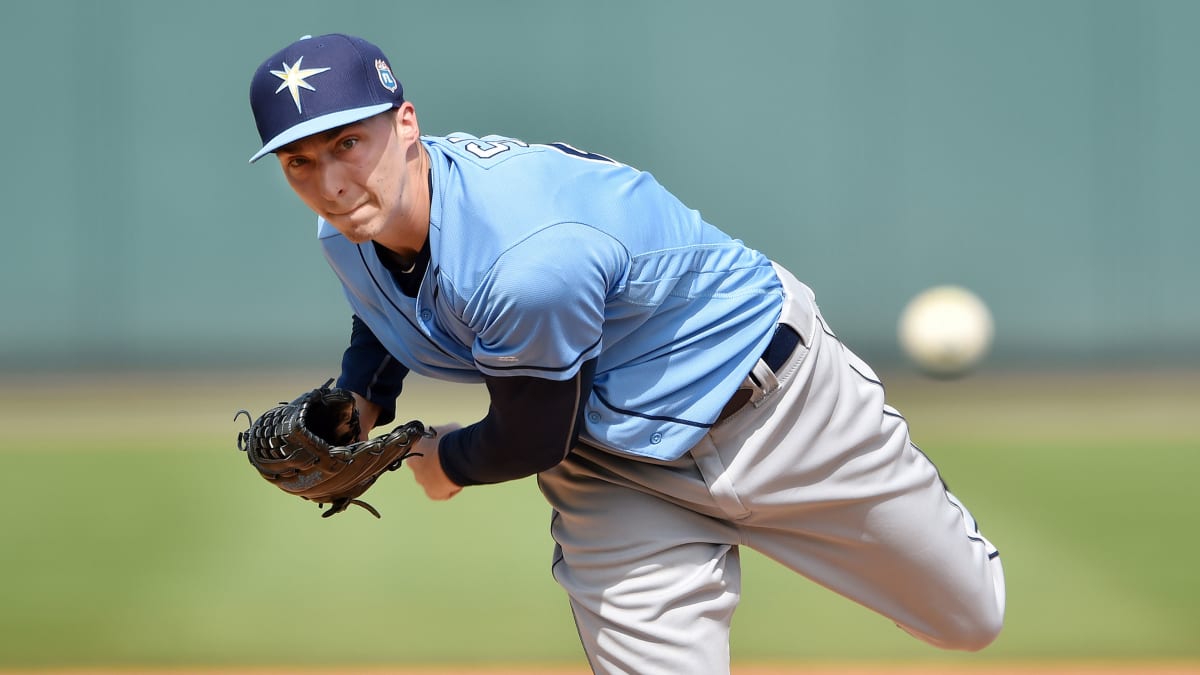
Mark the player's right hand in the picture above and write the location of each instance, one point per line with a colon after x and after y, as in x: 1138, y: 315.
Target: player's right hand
x: 427, y: 468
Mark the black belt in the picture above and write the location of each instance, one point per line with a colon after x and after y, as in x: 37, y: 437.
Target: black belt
x: 782, y: 344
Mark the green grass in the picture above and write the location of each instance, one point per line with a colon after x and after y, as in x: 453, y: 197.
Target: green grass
x: 184, y: 555
x: 120, y: 550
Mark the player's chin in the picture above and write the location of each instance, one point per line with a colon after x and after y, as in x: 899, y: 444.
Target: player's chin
x: 357, y: 233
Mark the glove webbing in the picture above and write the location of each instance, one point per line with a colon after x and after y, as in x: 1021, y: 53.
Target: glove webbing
x: 404, y: 435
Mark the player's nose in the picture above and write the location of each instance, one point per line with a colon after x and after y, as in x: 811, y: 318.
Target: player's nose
x: 331, y: 181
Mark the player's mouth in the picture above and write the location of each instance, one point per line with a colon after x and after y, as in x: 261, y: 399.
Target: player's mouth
x: 352, y: 214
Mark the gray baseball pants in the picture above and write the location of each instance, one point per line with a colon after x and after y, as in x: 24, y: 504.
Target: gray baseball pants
x: 817, y: 472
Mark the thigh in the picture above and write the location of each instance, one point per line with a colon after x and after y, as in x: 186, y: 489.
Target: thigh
x: 652, y: 584
x: 915, y: 556
x: 836, y: 490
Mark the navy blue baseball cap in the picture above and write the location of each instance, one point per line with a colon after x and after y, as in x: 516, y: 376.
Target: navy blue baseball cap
x: 318, y: 83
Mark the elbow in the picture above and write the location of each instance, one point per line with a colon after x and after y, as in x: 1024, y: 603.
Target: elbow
x: 547, y: 457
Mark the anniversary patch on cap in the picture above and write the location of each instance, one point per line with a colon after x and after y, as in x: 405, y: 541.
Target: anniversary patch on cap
x: 318, y: 83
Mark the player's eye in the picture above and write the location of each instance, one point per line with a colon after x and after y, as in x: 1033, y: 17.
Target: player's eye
x: 347, y: 143
x: 296, y: 162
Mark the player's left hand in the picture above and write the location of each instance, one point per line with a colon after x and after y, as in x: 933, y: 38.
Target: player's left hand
x: 427, y: 468
x: 315, y: 448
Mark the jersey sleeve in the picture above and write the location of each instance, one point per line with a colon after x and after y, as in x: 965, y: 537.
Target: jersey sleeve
x: 539, y: 311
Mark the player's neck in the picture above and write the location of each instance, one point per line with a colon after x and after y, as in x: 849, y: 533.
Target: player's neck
x: 408, y: 236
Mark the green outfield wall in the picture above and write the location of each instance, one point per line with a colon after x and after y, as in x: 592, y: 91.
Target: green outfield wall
x: 1042, y: 153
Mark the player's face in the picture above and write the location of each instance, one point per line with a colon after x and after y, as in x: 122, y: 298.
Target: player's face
x: 357, y: 177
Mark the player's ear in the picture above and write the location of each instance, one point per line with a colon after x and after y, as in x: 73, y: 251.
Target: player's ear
x: 406, y: 122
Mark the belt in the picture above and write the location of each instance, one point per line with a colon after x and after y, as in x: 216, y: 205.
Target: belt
x: 782, y: 344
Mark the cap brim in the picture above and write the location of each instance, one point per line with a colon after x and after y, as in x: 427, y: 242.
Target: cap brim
x: 319, y: 124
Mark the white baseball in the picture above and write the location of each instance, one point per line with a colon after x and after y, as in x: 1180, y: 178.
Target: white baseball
x: 946, y: 330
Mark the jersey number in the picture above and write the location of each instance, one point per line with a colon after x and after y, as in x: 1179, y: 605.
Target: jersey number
x: 489, y: 149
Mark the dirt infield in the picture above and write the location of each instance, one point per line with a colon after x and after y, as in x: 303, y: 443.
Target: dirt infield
x: 1106, y: 668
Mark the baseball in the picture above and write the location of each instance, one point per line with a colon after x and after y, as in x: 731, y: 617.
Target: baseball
x: 946, y: 330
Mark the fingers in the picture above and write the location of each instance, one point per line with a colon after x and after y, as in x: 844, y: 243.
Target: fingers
x: 368, y: 413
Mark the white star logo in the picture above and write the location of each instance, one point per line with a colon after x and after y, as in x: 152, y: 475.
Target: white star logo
x: 293, y: 78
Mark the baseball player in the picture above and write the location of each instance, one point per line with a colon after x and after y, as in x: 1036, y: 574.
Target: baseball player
x: 677, y: 394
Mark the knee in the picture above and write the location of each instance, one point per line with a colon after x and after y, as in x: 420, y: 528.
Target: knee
x: 965, y: 632
x: 976, y: 623
x: 974, y: 636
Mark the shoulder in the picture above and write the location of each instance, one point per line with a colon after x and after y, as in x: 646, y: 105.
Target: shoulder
x: 558, y: 159
x: 485, y: 151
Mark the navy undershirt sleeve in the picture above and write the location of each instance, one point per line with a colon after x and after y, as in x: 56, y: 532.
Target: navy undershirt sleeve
x: 531, y: 426
x: 371, y: 372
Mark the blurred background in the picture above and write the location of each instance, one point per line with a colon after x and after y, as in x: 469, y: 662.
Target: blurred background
x: 1043, y: 154
x: 1040, y: 153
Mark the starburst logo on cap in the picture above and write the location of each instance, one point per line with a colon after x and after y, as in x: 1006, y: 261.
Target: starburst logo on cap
x: 294, y: 77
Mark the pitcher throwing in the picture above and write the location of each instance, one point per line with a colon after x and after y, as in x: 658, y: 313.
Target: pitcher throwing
x: 677, y: 394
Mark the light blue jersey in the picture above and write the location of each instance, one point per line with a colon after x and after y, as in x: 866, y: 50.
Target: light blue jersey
x: 543, y: 257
